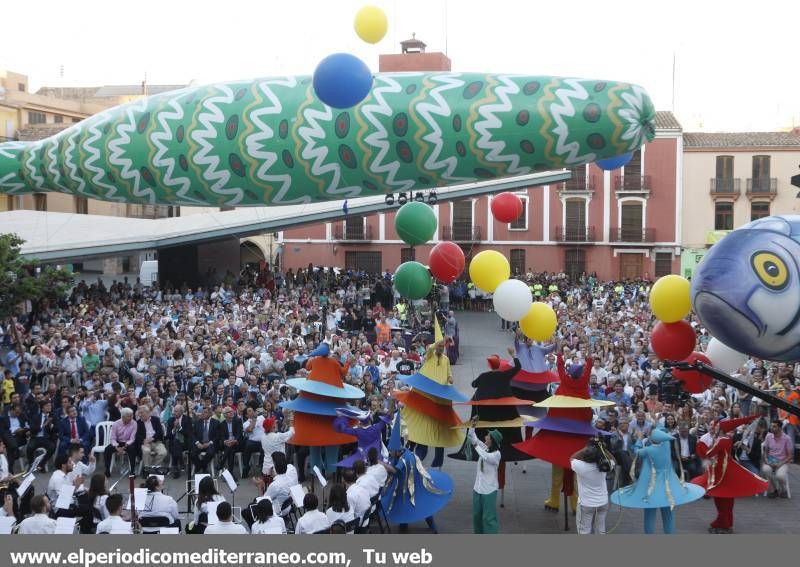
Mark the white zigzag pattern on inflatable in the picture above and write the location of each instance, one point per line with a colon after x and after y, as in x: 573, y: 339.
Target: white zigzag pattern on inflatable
x: 566, y: 108
x: 379, y: 138
x: 94, y: 155
x: 34, y: 149
x: 255, y: 147
x: 318, y: 153
x: 117, y: 147
x: 168, y: 163
x: 633, y: 115
x: 7, y: 150
x: 52, y: 168
x: 427, y: 110
x: 219, y: 177
x: 70, y: 162
x: 490, y: 121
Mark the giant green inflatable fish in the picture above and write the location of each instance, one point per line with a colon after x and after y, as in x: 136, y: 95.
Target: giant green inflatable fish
x: 273, y: 142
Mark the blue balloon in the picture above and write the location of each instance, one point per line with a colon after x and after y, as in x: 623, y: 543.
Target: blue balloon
x: 342, y: 80
x: 612, y: 163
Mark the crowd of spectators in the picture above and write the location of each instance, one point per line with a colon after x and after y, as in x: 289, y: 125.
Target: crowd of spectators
x: 161, y: 363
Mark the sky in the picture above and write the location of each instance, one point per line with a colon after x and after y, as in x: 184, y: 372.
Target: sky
x: 735, y: 62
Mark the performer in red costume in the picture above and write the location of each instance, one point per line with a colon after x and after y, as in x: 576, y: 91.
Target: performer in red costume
x: 566, y: 427
x: 725, y: 479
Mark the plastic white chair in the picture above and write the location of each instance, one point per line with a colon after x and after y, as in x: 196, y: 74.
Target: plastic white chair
x: 102, y: 437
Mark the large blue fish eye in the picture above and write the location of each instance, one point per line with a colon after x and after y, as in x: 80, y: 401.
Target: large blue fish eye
x: 770, y: 269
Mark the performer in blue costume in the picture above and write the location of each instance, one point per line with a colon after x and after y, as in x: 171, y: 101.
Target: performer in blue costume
x: 413, y: 493
x: 658, y: 487
x: 367, y: 433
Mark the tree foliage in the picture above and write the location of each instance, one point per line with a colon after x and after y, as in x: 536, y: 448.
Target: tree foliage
x: 23, y: 279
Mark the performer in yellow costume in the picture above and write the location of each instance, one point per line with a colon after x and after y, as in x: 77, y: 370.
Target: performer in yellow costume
x: 427, y: 407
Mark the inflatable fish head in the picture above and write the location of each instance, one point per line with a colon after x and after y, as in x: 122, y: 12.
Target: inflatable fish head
x: 746, y: 290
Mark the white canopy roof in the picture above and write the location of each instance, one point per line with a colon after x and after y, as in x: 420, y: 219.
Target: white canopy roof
x: 62, y: 236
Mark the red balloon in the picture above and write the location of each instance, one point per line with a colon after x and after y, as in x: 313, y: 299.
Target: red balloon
x: 506, y: 207
x: 673, y: 341
x: 446, y: 261
x: 693, y: 381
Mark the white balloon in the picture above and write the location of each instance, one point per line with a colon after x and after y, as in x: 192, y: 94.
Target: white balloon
x: 512, y: 300
x: 724, y: 357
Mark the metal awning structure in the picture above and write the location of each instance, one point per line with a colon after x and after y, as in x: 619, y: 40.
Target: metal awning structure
x: 61, y: 237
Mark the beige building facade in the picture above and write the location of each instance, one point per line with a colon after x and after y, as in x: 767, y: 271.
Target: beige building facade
x: 730, y: 179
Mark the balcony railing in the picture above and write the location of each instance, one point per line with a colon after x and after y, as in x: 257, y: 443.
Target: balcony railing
x: 726, y: 186
x: 352, y: 233
x: 461, y: 233
x: 574, y: 234
x: 632, y: 183
x: 579, y: 183
x: 762, y: 186
x: 639, y: 235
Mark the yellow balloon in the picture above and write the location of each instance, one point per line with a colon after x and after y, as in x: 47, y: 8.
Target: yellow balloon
x: 670, y: 298
x: 489, y: 269
x: 540, y: 323
x: 371, y: 24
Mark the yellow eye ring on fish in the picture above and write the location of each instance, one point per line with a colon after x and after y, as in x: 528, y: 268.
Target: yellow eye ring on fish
x: 770, y: 269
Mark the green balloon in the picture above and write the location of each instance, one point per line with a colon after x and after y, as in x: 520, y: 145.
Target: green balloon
x: 412, y: 280
x: 415, y: 223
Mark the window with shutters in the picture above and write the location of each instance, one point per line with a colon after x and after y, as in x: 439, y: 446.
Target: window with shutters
x: 369, y: 262
x: 724, y: 177
x: 462, y: 220
x: 578, y: 181
x: 575, y: 216
x: 517, y: 261
x: 82, y: 205
x: 761, y: 173
x: 58, y: 119
x: 759, y: 210
x: 37, y: 118
x: 40, y: 201
x: 723, y: 215
x: 634, y: 167
x: 407, y: 255
x: 522, y: 221
x: 663, y: 264
x: 631, y: 222
x: 575, y: 263
x: 354, y: 228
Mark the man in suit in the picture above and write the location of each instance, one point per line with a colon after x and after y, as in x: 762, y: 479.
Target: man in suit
x: 14, y: 431
x: 622, y: 443
x: 218, y: 398
x: 43, y: 433
x: 73, y: 429
x: 684, y: 452
x: 150, y: 438
x: 230, y: 438
x: 205, y: 437
x: 179, y: 438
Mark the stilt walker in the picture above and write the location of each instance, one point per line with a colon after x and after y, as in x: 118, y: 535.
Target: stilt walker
x: 532, y: 381
x: 564, y: 430
x: 495, y: 407
x: 658, y: 487
x: 724, y: 478
x: 321, y: 396
x: 427, y: 408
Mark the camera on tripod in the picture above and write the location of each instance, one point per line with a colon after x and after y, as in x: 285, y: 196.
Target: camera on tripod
x: 670, y: 391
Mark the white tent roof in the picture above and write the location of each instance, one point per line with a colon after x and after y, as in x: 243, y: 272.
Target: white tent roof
x: 61, y: 236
